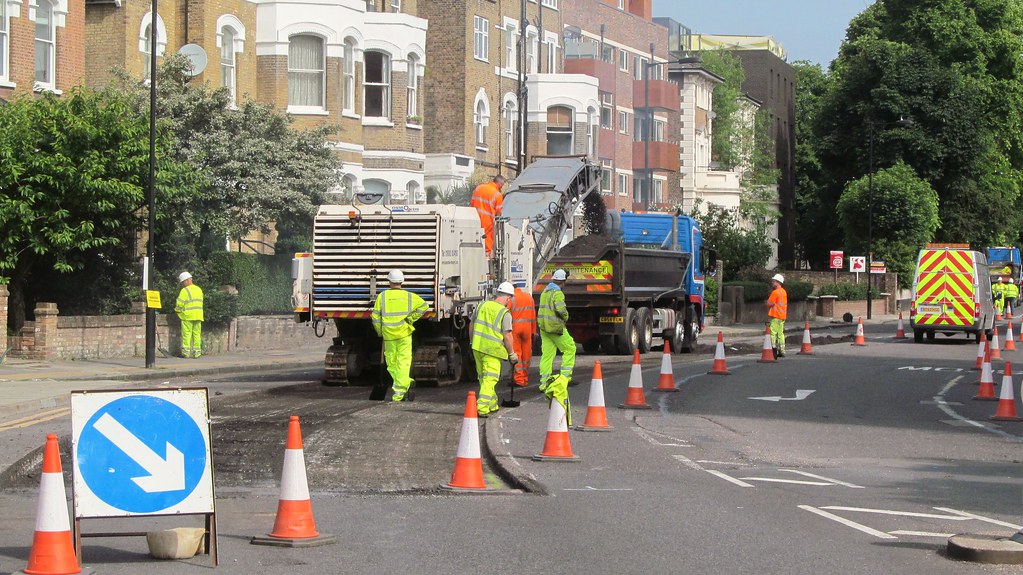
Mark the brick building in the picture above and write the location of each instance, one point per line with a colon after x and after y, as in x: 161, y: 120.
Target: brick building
x: 41, y: 46
x: 617, y: 42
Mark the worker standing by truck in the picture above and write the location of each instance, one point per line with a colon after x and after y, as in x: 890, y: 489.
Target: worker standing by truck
x: 778, y: 311
x: 393, y: 314
x: 998, y: 295
x: 1011, y: 294
x: 523, y: 313
x: 490, y: 334
x: 487, y: 200
x: 551, y: 318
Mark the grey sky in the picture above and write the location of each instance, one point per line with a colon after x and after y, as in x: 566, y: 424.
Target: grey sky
x: 808, y: 29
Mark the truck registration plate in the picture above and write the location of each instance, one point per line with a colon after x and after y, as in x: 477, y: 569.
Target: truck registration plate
x: 930, y: 310
x: 612, y: 319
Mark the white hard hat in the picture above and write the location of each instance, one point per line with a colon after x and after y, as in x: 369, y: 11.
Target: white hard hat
x: 1010, y: 280
x: 560, y: 275
x: 184, y: 276
x: 778, y: 278
x: 395, y: 276
x: 506, y: 289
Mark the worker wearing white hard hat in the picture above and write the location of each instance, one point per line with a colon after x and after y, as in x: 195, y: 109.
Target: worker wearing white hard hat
x: 189, y: 307
x: 490, y: 334
x: 552, y: 319
x: 778, y: 311
x: 1011, y: 292
x: 394, y: 312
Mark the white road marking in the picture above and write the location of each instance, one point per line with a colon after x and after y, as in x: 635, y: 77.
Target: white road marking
x: 822, y: 478
x: 727, y: 478
x: 848, y: 523
x: 801, y: 394
x: 688, y: 462
x: 979, y: 518
x: 793, y: 481
x: 725, y: 462
x: 940, y: 401
x: 647, y: 436
x: 921, y: 534
x: 589, y: 488
x: 892, y: 512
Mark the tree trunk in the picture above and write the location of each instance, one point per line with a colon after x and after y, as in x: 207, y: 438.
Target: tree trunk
x: 17, y: 306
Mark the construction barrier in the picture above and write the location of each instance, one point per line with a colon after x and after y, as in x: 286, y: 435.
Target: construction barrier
x: 53, y: 551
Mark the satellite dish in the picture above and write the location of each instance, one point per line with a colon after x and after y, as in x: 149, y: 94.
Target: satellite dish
x: 196, y: 55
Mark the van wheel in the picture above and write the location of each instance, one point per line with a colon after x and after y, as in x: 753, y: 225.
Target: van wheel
x: 918, y: 336
x: 930, y: 335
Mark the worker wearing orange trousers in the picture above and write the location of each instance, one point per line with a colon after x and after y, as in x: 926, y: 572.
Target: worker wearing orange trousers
x: 523, y: 312
x: 487, y: 200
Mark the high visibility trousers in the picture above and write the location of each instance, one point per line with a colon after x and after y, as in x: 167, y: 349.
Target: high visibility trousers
x: 522, y: 343
x: 778, y: 334
x: 489, y: 369
x: 550, y: 345
x: 191, y: 338
x: 398, y: 355
x: 999, y: 305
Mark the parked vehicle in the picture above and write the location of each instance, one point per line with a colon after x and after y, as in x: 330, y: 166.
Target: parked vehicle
x: 642, y: 282
x: 1003, y: 262
x: 951, y: 293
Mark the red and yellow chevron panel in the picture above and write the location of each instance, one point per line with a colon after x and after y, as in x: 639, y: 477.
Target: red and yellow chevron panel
x: 945, y: 292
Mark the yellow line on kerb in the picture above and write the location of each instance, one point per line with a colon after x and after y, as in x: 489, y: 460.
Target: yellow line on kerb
x: 34, y: 419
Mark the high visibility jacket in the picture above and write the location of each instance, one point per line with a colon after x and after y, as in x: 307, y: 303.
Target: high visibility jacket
x: 1011, y: 290
x: 552, y: 315
x: 487, y: 200
x: 779, y: 304
x: 487, y: 335
x: 189, y: 304
x: 523, y: 312
x: 997, y: 291
x: 395, y: 311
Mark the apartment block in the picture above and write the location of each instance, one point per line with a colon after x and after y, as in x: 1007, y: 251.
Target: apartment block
x: 41, y: 46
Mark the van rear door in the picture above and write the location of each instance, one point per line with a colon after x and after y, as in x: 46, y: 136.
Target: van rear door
x: 945, y: 289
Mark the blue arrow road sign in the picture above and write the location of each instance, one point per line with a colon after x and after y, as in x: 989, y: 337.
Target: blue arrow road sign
x: 141, y: 454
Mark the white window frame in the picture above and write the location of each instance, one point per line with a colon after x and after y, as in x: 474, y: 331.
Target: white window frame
x: 511, y: 119
x: 385, y: 84
x: 532, y: 47
x: 553, y: 4
x: 348, y: 77
x: 569, y: 131
x: 656, y: 195
x: 322, y: 71
x: 606, y: 181
x: 481, y: 39
x: 621, y: 4
x: 228, y: 63
x: 412, y: 91
x: 395, y: 5
x: 144, y: 38
x: 481, y: 119
x: 623, y: 184
x: 591, y: 132
x: 7, y: 11
x: 51, y: 45
x: 607, y: 103
x: 237, y: 28
x: 623, y: 121
x: 511, y: 47
x: 623, y: 60
x: 551, y: 41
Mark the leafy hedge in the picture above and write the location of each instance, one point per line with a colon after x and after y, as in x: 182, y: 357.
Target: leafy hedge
x: 760, y: 291
x: 844, y: 291
x: 710, y: 295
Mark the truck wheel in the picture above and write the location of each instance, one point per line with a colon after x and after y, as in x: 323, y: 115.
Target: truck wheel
x: 628, y: 342
x: 918, y: 336
x: 645, y: 326
x: 591, y: 345
x: 692, y: 330
x: 677, y: 336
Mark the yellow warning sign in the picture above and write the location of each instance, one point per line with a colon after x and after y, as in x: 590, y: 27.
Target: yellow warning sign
x: 153, y: 299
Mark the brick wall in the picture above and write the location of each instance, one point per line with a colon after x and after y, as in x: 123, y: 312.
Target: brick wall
x: 3, y: 318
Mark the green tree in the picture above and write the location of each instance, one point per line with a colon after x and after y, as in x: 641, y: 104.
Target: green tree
x: 75, y: 170
x: 741, y: 242
x: 904, y: 211
x: 813, y: 214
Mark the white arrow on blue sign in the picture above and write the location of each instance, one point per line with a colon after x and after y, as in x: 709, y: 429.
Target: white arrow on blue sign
x: 141, y: 452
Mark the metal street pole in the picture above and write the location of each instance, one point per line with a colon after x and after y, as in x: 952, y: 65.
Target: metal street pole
x: 870, y: 221
x: 150, y: 251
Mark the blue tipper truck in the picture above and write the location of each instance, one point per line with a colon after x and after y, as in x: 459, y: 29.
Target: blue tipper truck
x: 1003, y: 262
x: 641, y: 281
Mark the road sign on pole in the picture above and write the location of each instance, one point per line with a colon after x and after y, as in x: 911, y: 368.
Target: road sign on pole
x: 878, y: 267
x: 836, y: 259
x: 857, y: 264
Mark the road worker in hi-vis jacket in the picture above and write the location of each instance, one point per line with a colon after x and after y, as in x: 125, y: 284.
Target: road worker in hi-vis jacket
x: 393, y: 314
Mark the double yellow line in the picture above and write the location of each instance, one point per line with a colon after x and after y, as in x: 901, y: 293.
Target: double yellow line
x: 34, y: 419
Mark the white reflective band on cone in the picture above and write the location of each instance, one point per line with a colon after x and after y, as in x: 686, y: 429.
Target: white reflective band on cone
x: 51, y: 511
x: 469, y: 440
x: 293, y: 481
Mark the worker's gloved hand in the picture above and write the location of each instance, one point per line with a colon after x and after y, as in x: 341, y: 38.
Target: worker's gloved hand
x: 513, y: 357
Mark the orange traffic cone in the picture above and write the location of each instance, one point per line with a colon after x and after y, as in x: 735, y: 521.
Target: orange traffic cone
x: 1006, y: 402
x: 556, y: 446
x: 596, y: 413
x: 720, y: 366
x: 998, y: 315
x: 987, y: 382
x: 468, y: 473
x: 1010, y: 343
x: 900, y: 332
x: 294, y: 525
x: 667, y: 380
x: 996, y: 353
x: 807, y: 347
x: 981, y: 347
x: 53, y: 552
x: 859, y: 340
x: 767, y: 351
x: 634, y: 398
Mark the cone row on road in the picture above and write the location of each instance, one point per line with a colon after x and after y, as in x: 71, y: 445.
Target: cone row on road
x: 634, y: 397
x: 767, y: 350
x: 1006, y: 401
x: 900, y: 332
x: 294, y: 525
x: 666, y: 381
x: 596, y: 412
x: 987, y: 382
x: 468, y: 472
x: 981, y: 348
x: 996, y: 353
x: 807, y: 347
x: 1010, y: 343
x: 53, y: 552
x: 859, y: 339
x: 720, y: 366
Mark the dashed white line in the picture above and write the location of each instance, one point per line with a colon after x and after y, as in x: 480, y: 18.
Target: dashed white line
x: 822, y: 478
x: 792, y: 481
x: 728, y: 478
x: 647, y: 436
x: 899, y: 513
x: 979, y: 518
x: 921, y: 534
x: 689, y: 462
x: 940, y: 401
x: 848, y: 523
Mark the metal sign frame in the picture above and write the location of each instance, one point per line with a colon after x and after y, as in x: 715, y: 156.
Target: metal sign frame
x: 199, y: 501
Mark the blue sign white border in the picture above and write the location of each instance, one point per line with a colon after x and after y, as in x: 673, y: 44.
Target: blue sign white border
x: 193, y: 401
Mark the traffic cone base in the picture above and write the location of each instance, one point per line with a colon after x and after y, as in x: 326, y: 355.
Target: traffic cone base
x: 859, y: 339
x: 53, y: 551
x: 634, y: 397
x: 596, y: 412
x: 807, y: 347
x: 720, y: 366
x: 666, y: 381
x: 294, y: 525
x: 556, y: 446
x: 767, y: 350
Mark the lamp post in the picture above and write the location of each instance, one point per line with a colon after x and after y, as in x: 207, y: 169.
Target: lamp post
x: 650, y: 117
x: 901, y: 122
x: 151, y: 192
